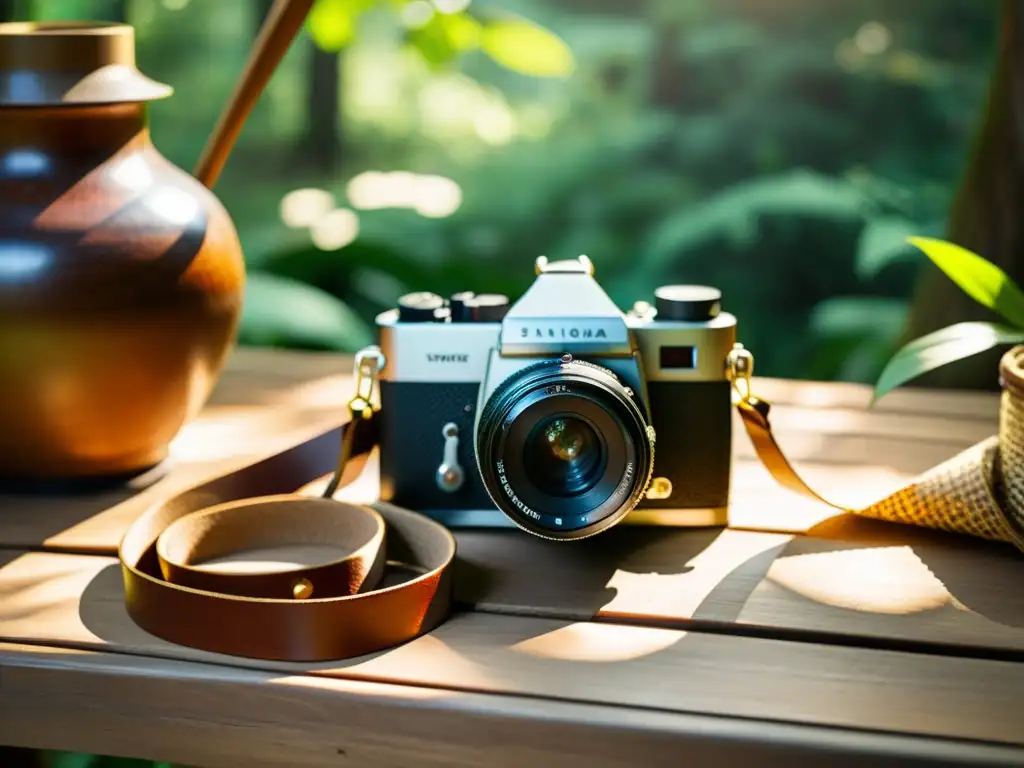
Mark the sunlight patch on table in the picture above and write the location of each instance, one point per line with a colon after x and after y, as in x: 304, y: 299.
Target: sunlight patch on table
x: 39, y: 591
x: 759, y: 502
x: 426, y: 659
x: 223, y: 432
x: 325, y: 392
x: 322, y: 681
x: 887, y: 580
x: 679, y: 595
x: 365, y: 489
x: 598, y: 643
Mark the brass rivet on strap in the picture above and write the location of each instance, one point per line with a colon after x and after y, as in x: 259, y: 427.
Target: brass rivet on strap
x: 302, y: 589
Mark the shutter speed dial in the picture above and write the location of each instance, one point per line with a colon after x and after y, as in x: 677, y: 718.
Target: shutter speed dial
x: 688, y: 303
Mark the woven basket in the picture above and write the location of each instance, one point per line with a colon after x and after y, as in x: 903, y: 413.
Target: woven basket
x: 979, y: 492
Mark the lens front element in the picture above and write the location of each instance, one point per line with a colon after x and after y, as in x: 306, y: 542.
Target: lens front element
x: 564, y: 456
x: 563, y: 449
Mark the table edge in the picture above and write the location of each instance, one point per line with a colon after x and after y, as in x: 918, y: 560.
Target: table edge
x: 715, y: 735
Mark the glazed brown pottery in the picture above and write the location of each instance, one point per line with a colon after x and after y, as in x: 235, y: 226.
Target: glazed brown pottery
x: 121, y: 276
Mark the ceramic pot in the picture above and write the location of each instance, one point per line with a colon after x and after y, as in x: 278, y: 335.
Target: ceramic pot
x: 121, y: 276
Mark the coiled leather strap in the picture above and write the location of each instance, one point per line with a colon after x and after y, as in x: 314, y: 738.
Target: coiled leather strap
x: 287, y: 628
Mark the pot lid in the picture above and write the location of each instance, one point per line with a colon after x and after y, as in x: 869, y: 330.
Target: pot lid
x: 71, y: 63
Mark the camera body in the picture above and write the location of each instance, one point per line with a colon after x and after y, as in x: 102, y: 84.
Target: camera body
x: 496, y: 413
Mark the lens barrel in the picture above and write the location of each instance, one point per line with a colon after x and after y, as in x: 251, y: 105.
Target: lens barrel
x: 564, y: 450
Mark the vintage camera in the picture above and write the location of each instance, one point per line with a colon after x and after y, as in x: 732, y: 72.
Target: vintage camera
x: 558, y: 413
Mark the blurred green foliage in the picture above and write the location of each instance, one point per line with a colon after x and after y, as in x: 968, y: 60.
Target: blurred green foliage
x: 782, y: 151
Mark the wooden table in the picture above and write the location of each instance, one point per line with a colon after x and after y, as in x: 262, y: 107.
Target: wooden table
x: 795, y: 636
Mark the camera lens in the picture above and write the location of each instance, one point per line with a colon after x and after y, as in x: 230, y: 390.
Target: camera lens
x: 563, y: 456
x: 563, y: 449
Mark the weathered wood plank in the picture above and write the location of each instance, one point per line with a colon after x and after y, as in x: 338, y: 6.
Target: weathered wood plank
x: 851, y: 579
x: 78, y: 604
x: 189, y: 714
x: 872, y: 579
x: 906, y: 400
x: 96, y: 522
x: 78, y: 600
x: 222, y: 441
x: 847, y: 575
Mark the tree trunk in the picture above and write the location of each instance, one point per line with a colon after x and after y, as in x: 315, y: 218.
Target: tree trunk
x: 323, y: 108
x: 987, y: 215
x: 259, y: 16
x: 321, y: 142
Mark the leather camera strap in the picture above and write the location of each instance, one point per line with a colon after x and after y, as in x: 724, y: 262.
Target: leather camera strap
x: 337, y: 609
x: 754, y: 413
x: 298, y: 614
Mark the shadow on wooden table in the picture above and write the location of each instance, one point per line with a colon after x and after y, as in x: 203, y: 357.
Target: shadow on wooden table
x: 859, y: 575
x: 629, y: 573
x: 654, y: 576
x: 92, y: 515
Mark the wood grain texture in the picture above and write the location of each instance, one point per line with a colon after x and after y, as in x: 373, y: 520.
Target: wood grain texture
x: 855, y: 582
x: 221, y: 440
x: 663, y: 669
x: 78, y: 600
x: 250, y: 416
x: 189, y: 714
x: 628, y: 573
x: 871, y: 579
x: 853, y: 579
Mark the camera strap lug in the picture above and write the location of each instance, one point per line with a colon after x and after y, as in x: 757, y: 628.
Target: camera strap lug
x: 369, y: 362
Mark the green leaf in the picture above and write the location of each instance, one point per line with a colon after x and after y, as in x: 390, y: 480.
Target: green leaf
x: 462, y: 31
x: 282, y: 311
x: 332, y: 24
x: 940, y: 348
x: 979, y: 278
x: 527, y: 48
x: 433, y: 43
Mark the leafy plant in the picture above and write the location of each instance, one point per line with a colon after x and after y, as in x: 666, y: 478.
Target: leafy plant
x: 443, y: 31
x: 984, y: 282
x: 281, y: 311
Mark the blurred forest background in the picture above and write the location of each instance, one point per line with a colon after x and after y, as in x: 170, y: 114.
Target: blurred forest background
x: 780, y: 150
